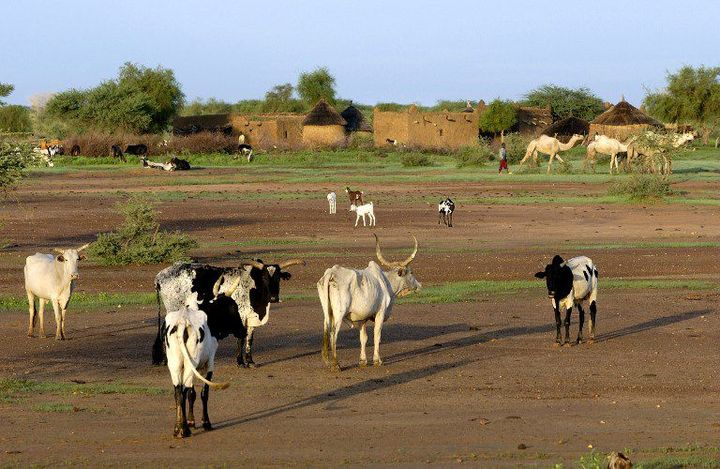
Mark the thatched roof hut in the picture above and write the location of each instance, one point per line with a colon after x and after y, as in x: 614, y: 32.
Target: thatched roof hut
x: 186, y: 125
x: 564, y: 129
x: 355, y: 120
x: 621, y: 121
x: 324, y: 127
x: 531, y: 120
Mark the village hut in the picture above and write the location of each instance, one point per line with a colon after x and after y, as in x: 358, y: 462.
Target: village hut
x: 324, y: 127
x: 356, y: 122
x: 532, y: 120
x: 564, y: 129
x: 187, y: 125
x: 621, y: 121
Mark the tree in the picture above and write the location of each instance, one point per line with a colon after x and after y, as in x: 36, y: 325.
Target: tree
x: 5, y: 90
x: 691, y: 95
x: 211, y: 106
x: 499, y: 115
x: 160, y: 86
x: 15, y: 118
x: 316, y: 85
x: 566, y: 102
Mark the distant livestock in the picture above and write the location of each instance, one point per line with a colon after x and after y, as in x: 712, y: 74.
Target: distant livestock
x: 173, y: 164
x: 356, y: 197
x: 246, y: 150
x: 358, y: 296
x: 361, y: 211
x: 332, y: 200
x: 190, y: 346
x: 75, y: 150
x: 52, y: 278
x: 446, y: 208
x: 572, y: 283
x: 236, y: 299
x: 137, y: 149
x: 116, y: 152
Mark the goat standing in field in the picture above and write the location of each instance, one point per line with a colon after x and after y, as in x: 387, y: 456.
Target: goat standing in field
x: 332, y: 200
x: 356, y: 197
x: 446, y: 208
x: 361, y: 211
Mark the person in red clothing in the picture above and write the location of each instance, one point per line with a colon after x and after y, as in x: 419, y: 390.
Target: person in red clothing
x: 503, y: 159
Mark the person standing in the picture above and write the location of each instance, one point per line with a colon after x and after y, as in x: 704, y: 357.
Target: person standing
x: 503, y: 159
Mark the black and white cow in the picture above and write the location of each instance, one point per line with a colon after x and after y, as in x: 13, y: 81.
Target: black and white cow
x: 252, y: 287
x: 571, y: 283
x: 446, y: 208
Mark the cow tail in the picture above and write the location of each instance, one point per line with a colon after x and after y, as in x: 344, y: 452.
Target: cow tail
x: 330, y: 330
x: 158, y: 349
x: 188, y: 360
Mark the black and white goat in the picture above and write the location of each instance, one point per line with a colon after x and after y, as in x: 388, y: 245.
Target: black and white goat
x: 445, y: 212
x: 571, y: 283
x: 189, y: 346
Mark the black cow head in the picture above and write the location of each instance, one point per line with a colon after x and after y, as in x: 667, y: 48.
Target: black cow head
x: 558, y: 277
x: 267, y: 281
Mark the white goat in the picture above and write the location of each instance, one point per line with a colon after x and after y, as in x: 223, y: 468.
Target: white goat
x: 332, y: 200
x: 361, y: 211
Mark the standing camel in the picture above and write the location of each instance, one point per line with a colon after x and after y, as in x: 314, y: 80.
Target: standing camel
x: 607, y: 146
x: 549, y: 146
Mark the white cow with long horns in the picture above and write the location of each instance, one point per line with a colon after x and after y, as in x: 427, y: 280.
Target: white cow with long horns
x: 52, y: 278
x: 359, y: 296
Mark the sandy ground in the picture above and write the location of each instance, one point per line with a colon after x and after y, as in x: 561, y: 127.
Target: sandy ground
x: 476, y: 382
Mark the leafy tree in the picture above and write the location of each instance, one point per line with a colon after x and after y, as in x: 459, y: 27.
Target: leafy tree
x: 316, y: 85
x: 566, y: 102
x: 5, y: 90
x: 211, y: 106
x: 160, y: 85
x: 692, y: 95
x: 14, y: 118
x: 14, y: 158
x: 280, y: 99
x: 499, y: 115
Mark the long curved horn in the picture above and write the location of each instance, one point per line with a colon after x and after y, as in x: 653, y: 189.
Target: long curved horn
x: 84, y: 246
x: 229, y: 292
x: 216, y: 287
x: 253, y: 262
x: 286, y: 264
x: 412, y: 256
x: 379, y: 255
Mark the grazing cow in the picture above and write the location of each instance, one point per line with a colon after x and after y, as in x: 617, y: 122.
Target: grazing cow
x: 137, y: 149
x: 190, y: 346
x: 358, y: 296
x: 246, y: 150
x: 363, y: 210
x: 356, y: 197
x: 116, y: 152
x: 446, y: 208
x: 571, y: 283
x: 55, y: 150
x: 245, y: 308
x: 332, y: 200
x: 75, y: 150
x: 49, y: 277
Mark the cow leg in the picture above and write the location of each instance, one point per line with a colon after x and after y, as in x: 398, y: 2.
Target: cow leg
x: 31, y: 312
x: 41, y: 317
x: 567, y: 325
x: 204, y: 394
x: 247, y: 349
x: 334, y: 365
x: 181, y: 427
x: 450, y: 220
x: 379, y: 319
x: 593, y: 312
x: 581, y: 321
x: 558, y: 337
x: 326, y: 341
x: 62, y: 322
x: 58, y: 320
x: 191, y: 396
x: 363, y: 343
x: 239, y: 355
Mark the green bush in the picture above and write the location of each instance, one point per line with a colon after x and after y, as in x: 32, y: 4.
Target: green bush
x: 474, y: 156
x: 415, y: 159
x: 139, y: 239
x: 14, y: 118
x: 642, y: 187
x: 14, y: 158
x: 516, y: 145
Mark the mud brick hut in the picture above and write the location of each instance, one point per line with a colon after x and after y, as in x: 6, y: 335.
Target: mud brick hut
x: 426, y: 130
x: 621, y: 121
x: 532, y: 120
x: 356, y: 122
x: 323, y: 127
x: 564, y: 129
x: 216, y: 123
x: 270, y: 131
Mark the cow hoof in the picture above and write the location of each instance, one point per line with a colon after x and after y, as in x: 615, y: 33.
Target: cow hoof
x: 377, y: 362
x: 363, y: 363
x: 335, y: 367
x: 567, y: 344
x: 557, y: 344
x: 207, y: 426
x: 591, y: 340
x: 191, y: 424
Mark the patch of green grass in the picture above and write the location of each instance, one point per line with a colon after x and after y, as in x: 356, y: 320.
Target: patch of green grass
x: 84, y: 301
x: 58, y: 407
x: 11, y: 388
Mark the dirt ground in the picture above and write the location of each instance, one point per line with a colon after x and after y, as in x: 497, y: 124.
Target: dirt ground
x: 477, y: 382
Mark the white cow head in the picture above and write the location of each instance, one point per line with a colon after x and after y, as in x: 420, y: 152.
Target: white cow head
x: 69, y: 259
x: 400, y: 275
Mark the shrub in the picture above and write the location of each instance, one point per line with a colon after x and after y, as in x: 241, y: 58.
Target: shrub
x: 642, y: 187
x: 14, y: 158
x: 415, y: 159
x: 14, y: 118
x: 203, y: 142
x: 473, y: 156
x: 98, y: 144
x: 516, y: 145
x: 361, y: 141
x: 139, y: 239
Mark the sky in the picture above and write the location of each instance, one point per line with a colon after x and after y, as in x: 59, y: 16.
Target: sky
x: 407, y: 51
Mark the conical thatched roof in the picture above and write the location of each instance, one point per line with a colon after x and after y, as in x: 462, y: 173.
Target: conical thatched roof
x: 323, y: 114
x: 355, y: 120
x: 567, y: 127
x: 624, y: 113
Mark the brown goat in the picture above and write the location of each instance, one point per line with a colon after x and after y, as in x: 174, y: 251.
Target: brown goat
x: 356, y: 197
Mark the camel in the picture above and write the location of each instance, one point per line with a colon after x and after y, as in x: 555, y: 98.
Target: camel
x: 549, y: 146
x: 607, y: 146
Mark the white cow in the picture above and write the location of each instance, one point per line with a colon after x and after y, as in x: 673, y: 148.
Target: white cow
x: 361, y: 211
x: 332, y: 200
x: 49, y: 277
x: 359, y: 296
x: 190, y: 346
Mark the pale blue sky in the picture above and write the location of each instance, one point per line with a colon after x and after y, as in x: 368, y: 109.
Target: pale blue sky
x: 403, y: 51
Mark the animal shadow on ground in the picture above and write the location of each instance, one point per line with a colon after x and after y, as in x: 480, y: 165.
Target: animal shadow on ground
x: 652, y: 324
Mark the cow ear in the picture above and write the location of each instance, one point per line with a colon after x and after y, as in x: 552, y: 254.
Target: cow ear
x: 60, y: 258
x: 82, y: 257
x: 540, y: 275
x: 285, y: 275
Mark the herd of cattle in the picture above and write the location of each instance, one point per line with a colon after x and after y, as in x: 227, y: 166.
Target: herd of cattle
x: 204, y: 304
